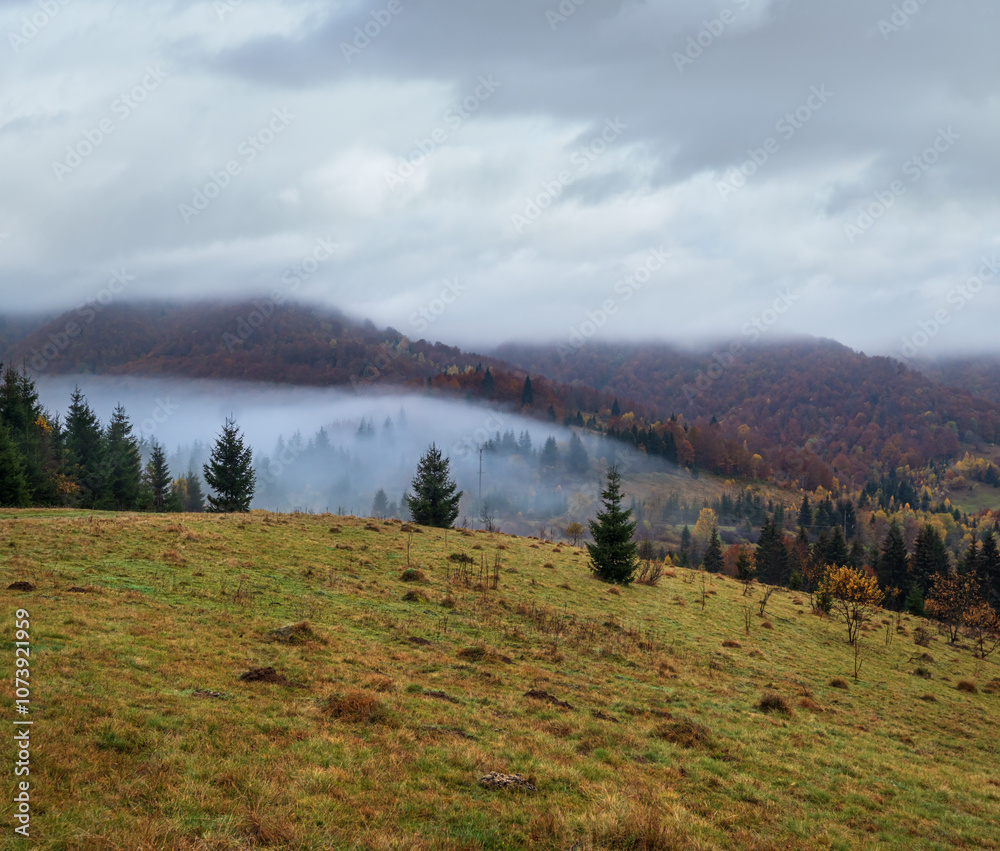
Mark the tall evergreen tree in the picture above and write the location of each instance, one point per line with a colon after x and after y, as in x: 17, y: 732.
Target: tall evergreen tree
x: 771, y: 558
x: 156, y: 478
x: 194, y: 501
x: 488, y: 385
x: 616, y: 410
x: 435, y: 500
x: 380, y: 504
x: 892, y: 567
x: 548, y: 458
x: 229, y: 471
x: 85, y: 451
x: 713, y: 562
x: 930, y: 557
x: 805, y: 514
x: 122, y: 462
x: 613, y: 555
x: 527, y: 394
x: 14, y: 491
x: 577, y: 460
x: 989, y: 570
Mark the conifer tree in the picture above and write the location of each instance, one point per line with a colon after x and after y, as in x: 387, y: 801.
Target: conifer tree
x: 616, y: 410
x: 156, y: 478
x: 613, y: 555
x: 892, y: 567
x: 434, y: 501
x: 380, y: 504
x: 527, y: 394
x: 13, y: 484
x: 488, y: 385
x: 229, y: 471
x: 578, y: 460
x: 771, y: 557
x: 548, y: 458
x: 714, y: 561
x: 194, y: 500
x: 123, y: 463
x: 85, y: 451
x: 930, y: 557
x: 805, y: 514
x: 989, y: 569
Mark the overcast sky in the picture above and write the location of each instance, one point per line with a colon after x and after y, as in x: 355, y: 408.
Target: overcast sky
x: 476, y: 172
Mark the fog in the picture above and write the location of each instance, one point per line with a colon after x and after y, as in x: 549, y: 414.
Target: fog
x: 320, y: 449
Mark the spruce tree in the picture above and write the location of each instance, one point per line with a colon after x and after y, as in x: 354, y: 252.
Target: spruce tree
x: 578, y: 460
x: 194, y: 501
x: 613, y: 555
x: 527, y: 394
x: 229, y: 471
x: 85, y: 447
x: 989, y: 569
x: 380, y: 504
x: 892, y: 568
x: 930, y: 557
x: 434, y: 501
x: 122, y: 462
x: 616, y: 410
x: 156, y: 478
x: 805, y: 514
x: 713, y: 561
x: 488, y: 385
x: 745, y: 569
x: 13, y: 484
x: 771, y: 557
x: 548, y: 458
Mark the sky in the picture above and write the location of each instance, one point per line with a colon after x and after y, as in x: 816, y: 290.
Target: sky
x: 483, y: 172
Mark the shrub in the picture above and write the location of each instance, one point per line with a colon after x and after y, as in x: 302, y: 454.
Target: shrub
x: 356, y: 707
x: 838, y: 682
x: 772, y: 702
x: 411, y: 574
x: 921, y: 636
x: 922, y: 672
x: 967, y: 686
x: 729, y: 642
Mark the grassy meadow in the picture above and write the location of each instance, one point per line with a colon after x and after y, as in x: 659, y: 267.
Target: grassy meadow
x: 645, y: 717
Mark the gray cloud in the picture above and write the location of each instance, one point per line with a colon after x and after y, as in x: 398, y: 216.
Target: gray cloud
x: 727, y: 157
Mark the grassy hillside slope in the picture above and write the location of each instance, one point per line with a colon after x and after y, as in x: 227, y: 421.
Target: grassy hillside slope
x: 644, y: 731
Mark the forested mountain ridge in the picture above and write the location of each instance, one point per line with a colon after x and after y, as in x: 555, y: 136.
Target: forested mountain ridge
x: 805, y: 410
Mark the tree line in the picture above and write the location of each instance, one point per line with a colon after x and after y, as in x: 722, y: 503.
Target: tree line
x: 80, y: 462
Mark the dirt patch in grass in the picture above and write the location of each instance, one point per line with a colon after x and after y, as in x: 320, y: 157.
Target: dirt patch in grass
x: 420, y: 642
x: 730, y: 642
x: 603, y: 716
x: 838, y: 682
x: 507, y: 782
x: 21, y: 585
x: 76, y: 589
x: 539, y: 694
x: 440, y: 695
x: 686, y: 734
x: 811, y: 705
x: 293, y: 633
x: 265, y: 675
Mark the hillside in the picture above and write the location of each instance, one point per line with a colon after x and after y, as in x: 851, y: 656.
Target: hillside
x: 852, y: 411
x: 811, y: 411
x: 637, y: 715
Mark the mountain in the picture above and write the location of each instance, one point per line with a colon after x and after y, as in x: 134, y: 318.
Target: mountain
x: 807, y: 410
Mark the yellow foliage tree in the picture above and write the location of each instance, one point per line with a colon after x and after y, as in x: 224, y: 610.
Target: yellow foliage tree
x: 855, y: 595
